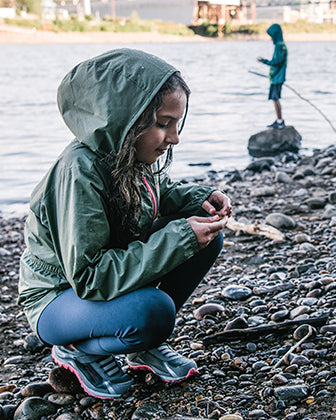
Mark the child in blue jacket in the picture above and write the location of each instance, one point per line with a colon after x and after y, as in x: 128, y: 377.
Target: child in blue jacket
x: 277, y: 72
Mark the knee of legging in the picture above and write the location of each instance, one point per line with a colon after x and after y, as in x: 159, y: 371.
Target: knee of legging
x: 216, y: 245
x: 219, y: 242
x: 158, y: 319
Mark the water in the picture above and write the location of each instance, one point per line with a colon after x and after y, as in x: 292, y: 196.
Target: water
x: 228, y: 105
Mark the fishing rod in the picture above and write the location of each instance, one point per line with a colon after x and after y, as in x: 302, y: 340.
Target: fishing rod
x: 301, y: 97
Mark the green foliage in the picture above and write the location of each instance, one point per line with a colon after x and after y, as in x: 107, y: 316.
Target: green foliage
x: 206, y: 29
x: 30, y: 6
x: 228, y: 27
x: 135, y: 24
x: 70, y: 25
x: 26, y: 23
x: 300, y: 26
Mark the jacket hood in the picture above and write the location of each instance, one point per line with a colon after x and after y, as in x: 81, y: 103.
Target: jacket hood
x: 101, y: 98
x: 275, y: 32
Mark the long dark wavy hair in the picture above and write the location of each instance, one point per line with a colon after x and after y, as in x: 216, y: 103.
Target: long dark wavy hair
x: 125, y: 198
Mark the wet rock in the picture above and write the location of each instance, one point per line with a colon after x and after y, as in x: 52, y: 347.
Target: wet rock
x: 32, y: 343
x: 304, y: 330
x: 257, y: 414
x: 280, y: 315
x: 299, y: 310
x: 62, y: 380
x: 260, y: 165
x: 61, y: 399
x: 7, y: 412
x: 34, y: 408
x: 291, y: 393
x: 236, y: 292
x: 273, y: 142
x: 38, y: 389
x: 148, y: 411
x: 6, y: 396
x: 7, y: 388
x: 237, y: 323
x: 69, y: 416
x: 208, y: 309
x: 300, y: 360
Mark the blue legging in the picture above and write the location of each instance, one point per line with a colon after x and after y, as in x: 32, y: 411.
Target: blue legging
x: 137, y: 321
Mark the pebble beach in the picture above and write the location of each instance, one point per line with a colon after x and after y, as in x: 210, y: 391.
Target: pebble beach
x: 261, y: 326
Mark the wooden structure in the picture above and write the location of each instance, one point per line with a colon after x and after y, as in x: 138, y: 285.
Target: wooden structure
x: 219, y: 12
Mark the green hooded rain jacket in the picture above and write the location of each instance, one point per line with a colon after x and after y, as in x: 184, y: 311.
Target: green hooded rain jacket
x: 277, y: 73
x: 68, y: 229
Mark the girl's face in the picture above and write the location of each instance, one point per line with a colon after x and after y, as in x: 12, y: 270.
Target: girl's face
x: 156, y: 141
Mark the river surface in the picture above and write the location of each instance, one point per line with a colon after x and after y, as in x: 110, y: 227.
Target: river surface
x: 228, y: 105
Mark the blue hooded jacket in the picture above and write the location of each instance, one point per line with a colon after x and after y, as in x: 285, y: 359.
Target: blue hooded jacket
x: 278, y: 62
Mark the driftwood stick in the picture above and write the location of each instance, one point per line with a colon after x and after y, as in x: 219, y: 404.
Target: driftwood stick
x: 255, y: 229
x: 261, y: 330
x: 295, y: 346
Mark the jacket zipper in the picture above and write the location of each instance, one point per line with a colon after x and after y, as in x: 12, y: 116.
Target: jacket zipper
x: 149, y: 189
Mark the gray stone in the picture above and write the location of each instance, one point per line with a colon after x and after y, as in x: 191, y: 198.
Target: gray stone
x: 261, y: 164
x: 280, y: 315
x: 34, y: 408
x: 236, y: 292
x: 299, y: 310
x: 273, y: 142
x: 148, y: 411
x: 69, y: 416
x: 329, y: 212
x: 316, y: 202
x: 283, y: 178
x: 61, y: 399
x: 291, y: 393
x: 279, y: 220
x: 263, y: 191
x: 307, y: 247
x: 208, y: 309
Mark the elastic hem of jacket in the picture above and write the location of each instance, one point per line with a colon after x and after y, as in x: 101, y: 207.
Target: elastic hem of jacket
x: 31, y: 259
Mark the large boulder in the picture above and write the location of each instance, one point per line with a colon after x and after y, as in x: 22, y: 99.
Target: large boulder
x: 272, y: 142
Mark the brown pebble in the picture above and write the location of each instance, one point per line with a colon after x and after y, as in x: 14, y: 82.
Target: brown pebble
x: 208, y: 309
x: 238, y: 364
x: 62, y: 380
x: 37, y: 389
x: 303, y: 330
x: 7, y: 388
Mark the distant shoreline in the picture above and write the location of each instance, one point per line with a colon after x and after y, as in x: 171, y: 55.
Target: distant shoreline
x: 16, y: 35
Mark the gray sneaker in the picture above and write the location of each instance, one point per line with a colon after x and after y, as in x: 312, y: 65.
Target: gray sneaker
x: 277, y: 125
x: 99, y: 376
x: 169, y: 365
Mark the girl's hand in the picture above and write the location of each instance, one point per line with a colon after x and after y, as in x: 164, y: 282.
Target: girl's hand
x: 206, y: 228
x: 218, y: 203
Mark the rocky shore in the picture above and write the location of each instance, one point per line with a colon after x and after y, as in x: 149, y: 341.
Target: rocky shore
x: 261, y: 326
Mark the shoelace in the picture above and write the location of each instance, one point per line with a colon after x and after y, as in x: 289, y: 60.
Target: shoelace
x: 110, y: 366
x: 167, y: 351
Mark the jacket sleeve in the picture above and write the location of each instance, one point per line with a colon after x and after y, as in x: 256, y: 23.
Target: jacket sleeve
x: 79, y: 227
x: 176, y: 197
x: 279, y: 56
